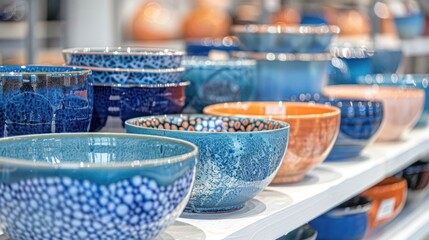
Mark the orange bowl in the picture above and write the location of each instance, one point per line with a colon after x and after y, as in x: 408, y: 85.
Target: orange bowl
x: 388, y: 198
x: 313, y: 131
x: 402, y: 106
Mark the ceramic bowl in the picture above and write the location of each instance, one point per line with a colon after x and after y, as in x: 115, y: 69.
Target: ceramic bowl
x: 314, y: 129
x: 388, y: 198
x: 360, y: 122
x: 123, y: 57
x: 129, y: 101
x: 44, y: 99
x: 348, y: 221
x: 305, y: 232
x: 417, y: 175
x: 281, y: 76
x: 420, y: 81
x: 93, y: 186
x: 137, y: 76
x: 203, y: 47
x: 238, y: 156
x: 217, y: 81
x: 410, y: 26
x: 387, y: 60
x: 285, y: 39
x: 402, y: 106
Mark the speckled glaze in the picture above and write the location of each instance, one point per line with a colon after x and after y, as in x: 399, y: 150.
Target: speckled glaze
x: 402, y: 106
x: 351, y: 217
x: 217, y: 81
x: 137, y: 76
x: 238, y: 156
x: 420, y: 81
x: 285, y: 39
x: 128, y: 102
x: 123, y: 57
x: 360, y: 124
x: 93, y: 186
x: 44, y: 99
x: 314, y: 129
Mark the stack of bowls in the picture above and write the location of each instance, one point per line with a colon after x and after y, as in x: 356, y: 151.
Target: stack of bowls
x: 131, y: 82
x: 291, y: 59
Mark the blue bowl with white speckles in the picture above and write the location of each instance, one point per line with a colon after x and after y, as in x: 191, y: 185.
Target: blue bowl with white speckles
x: 44, y: 99
x: 239, y: 156
x: 93, y: 186
x: 124, y: 57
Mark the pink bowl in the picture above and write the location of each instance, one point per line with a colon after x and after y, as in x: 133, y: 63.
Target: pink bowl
x: 402, y: 106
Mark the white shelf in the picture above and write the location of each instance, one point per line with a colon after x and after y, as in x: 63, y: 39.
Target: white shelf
x: 416, y: 47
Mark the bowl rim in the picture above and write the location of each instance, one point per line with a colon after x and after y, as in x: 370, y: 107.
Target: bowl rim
x: 419, y: 93
x: 404, y: 80
x: 333, y: 113
x: 283, y: 57
x: 278, y: 29
x: 131, y: 85
x: 326, y: 100
x: 75, y: 71
x: 398, y: 183
x: 363, y: 207
x: 134, y: 70
x: 80, y: 165
x: 203, y: 62
x: 124, y: 51
x: 284, y: 125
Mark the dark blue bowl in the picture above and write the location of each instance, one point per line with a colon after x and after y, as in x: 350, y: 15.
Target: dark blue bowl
x: 129, y: 101
x: 348, y: 221
x: 44, y: 99
x: 93, y: 186
x: 202, y: 47
x: 360, y: 121
x: 420, y: 81
x: 386, y: 60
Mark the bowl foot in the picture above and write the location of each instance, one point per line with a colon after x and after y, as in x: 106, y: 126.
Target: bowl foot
x: 288, y: 179
x: 214, y: 210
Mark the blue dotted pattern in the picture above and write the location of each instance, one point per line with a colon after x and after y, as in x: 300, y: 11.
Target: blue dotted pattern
x: 65, y: 208
x: 118, y: 77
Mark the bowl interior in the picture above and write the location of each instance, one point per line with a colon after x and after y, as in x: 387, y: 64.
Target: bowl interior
x: 202, y: 123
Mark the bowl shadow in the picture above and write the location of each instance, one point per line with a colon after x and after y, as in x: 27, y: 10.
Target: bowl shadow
x: 181, y: 231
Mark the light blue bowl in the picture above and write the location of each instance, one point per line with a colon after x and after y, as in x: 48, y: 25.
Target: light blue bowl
x: 93, y: 186
x: 281, y: 76
x: 410, y: 26
x: 386, y: 60
x: 218, y: 81
x: 285, y: 39
x: 420, y: 81
x: 239, y: 156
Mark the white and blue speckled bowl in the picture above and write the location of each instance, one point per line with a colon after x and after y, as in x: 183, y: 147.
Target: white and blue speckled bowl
x: 93, y: 186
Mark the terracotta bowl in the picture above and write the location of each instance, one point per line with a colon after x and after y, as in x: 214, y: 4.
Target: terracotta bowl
x: 313, y: 131
x: 402, y: 106
x: 388, y: 198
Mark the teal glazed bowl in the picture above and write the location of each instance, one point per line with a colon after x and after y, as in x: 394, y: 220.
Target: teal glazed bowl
x: 239, y: 156
x: 93, y: 186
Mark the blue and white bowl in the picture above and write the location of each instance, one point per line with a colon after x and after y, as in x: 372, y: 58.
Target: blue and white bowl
x: 123, y: 57
x: 239, y: 156
x: 93, y: 186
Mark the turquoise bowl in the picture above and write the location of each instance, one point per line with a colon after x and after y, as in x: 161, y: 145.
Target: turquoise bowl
x: 93, y: 186
x: 239, y: 156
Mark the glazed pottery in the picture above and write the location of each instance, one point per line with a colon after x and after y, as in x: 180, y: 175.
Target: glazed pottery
x: 93, y: 186
x: 44, y: 99
x: 408, y: 17
x: 123, y: 57
x: 281, y: 76
x: 387, y: 60
x: 218, y: 81
x: 420, y: 81
x: 402, y: 106
x: 360, y: 122
x: 314, y: 129
x: 238, y: 156
x: 388, y: 198
x: 305, y: 232
x: 203, y: 46
x: 136, y: 76
x: 348, y: 221
x: 285, y: 39
x: 129, y: 101
x: 417, y: 175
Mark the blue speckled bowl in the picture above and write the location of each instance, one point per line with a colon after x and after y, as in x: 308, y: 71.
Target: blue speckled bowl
x: 349, y: 221
x: 420, y: 81
x: 93, y: 186
x: 285, y: 39
x: 218, y: 81
x: 44, y: 99
x: 238, y: 156
x: 129, y: 101
x: 360, y: 122
x: 136, y: 76
x: 281, y: 76
x: 123, y: 57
